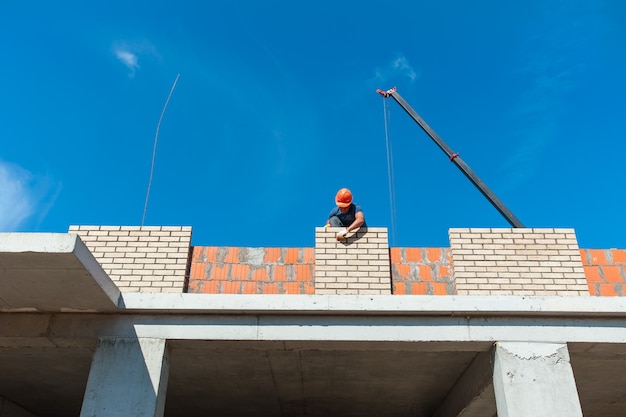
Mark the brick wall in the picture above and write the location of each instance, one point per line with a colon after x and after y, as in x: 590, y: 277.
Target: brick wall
x: 605, y: 270
x: 241, y: 270
x: 517, y: 262
x: 421, y: 271
x: 358, y: 265
x: 140, y: 259
x: 479, y: 261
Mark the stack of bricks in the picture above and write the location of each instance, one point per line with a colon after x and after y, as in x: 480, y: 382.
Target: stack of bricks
x: 358, y: 265
x: 605, y: 270
x: 241, y: 270
x: 140, y: 259
x: 421, y: 271
x: 517, y: 262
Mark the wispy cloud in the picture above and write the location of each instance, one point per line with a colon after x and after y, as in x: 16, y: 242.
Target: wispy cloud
x: 129, y: 53
x: 16, y: 202
x: 398, y: 67
x: 21, y: 195
x: 553, y: 66
x: 129, y: 59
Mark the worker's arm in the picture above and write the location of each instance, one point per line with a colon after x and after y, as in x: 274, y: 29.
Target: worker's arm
x: 358, y: 221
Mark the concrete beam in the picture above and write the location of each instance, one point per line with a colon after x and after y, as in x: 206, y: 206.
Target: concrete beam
x: 52, y: 272
x: 127, y: 377
x: 472, y: 394
x: 364, y: 305
x: 67, y: 327
x: 534, y: 379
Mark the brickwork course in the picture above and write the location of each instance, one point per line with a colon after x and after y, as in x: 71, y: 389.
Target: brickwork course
x: 517, y: 262
x: 357, y: 265
x: 241, y: 270
x: 140, y: 259
x: 478, y: 262
x: 422, y: 271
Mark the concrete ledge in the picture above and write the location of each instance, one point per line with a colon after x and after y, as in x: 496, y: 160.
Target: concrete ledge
x: 52, y: 272
x: 406, y: 305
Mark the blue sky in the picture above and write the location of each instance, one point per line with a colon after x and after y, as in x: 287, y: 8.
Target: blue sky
x: 275, y: 109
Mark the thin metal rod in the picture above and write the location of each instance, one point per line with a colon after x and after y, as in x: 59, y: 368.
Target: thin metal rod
x: 156, y: 138
x: 456, y: 159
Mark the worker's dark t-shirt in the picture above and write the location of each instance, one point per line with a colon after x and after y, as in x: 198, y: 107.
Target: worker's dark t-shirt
x: 348, y: 217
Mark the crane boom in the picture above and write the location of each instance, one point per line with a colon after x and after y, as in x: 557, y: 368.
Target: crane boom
x: 454, y: 158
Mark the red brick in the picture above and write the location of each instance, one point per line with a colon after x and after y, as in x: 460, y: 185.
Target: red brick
x: 419, y: 288
x: 303, y: 273
x: 260, y: 274
x: 594, y: 289
x: 593, y: 274
x: 291, y: 287
x: 444, y: 272
x: 198, y: 271
x: 292, y: 256
x: 425, y: 272
x: 608, y: 290
x: 269, y: 288
x: 250, y: 287
x: 440, y: 288
x: 612, y: 273
x: 271, y: 255
x: 395, y: 255
x: 309, y: 287
x: 403, y: 271
x: 413, y: 255
x: 232, y: 255
x: 583, y: 256
x: 239, y: 272
x: 279, y: 273
x: 231, y: 287
x: 219, y: 272
x: 196, y: 254
x: 399, y: 288
x: 309, y: 255
x: 619, y: 256
x: 210, y: 287
x: 597, y: 256
x: 433, y: 255
x: 207, y: 253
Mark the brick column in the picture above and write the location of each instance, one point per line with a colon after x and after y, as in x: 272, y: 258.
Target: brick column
x: 517, y: 262
x: 358, y: 265
x: 140, y: 259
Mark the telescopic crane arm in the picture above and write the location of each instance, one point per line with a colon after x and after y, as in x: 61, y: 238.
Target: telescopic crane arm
x: 454, y: 158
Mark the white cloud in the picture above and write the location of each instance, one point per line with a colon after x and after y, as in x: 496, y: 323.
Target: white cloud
x: 129, y: 54
x: 16, y: 199
x: 398, y: 67
x: 127, y: 58
x: 24, y: 197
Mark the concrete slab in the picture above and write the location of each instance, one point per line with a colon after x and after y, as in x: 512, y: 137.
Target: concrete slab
x: 363, y: 305
x: 52, y: 272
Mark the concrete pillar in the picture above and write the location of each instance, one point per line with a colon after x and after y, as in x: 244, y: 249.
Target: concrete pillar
x: 534, y: 379
x: 128, y: 378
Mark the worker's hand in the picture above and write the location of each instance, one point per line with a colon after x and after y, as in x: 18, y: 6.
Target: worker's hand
x: 341, y: 235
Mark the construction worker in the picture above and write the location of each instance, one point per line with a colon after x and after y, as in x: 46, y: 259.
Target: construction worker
x: 347, y: 215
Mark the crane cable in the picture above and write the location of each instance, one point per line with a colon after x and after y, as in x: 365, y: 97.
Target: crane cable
x: 390, y: 174
x: 156, y: 138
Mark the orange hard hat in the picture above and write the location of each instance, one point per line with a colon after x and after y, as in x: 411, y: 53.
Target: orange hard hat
x: 343, y: 198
